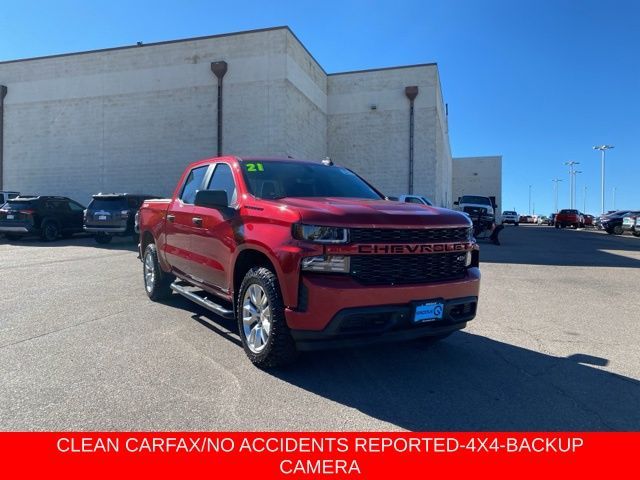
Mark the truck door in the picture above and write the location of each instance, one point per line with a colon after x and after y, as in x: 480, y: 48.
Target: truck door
x: 179, y: 225
x: 213, y: 241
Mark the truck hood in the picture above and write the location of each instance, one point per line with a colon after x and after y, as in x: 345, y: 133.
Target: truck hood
x: 356, y: 212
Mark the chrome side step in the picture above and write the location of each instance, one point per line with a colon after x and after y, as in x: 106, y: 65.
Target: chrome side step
x: 202, y: 301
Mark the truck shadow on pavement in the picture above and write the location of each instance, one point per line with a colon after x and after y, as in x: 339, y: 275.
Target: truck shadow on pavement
x: 466, y: 382
x: 470, y: 382
x: 542, y: 245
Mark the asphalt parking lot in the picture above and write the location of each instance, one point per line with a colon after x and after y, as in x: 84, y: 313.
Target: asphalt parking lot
x: 555, y: 346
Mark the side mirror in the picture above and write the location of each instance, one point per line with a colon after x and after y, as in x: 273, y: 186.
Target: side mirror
x: 211, y: 199
x: 456, y: 203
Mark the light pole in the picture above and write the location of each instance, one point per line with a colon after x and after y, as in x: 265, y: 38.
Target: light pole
x: 614, y: 198
x: 529, y: 199
x: 555, y: 191
x: 584, y: 199
x: 603, y: 149
x: 571, y: 178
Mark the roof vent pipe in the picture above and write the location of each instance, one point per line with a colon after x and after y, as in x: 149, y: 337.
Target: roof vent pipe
x: 411, y: 92
x: 219, y: 69
x: 3, y: 93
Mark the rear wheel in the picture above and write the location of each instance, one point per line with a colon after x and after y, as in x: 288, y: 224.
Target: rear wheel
x: 617, y: 230
x: 50, y: 231
x: 103, y: 238
x: 157, y: 283
x: 264, y: 332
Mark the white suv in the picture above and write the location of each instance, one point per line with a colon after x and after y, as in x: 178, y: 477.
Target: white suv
x: 510, y: 217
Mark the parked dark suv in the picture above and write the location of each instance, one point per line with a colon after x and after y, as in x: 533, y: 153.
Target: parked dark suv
x: 111, y: 214
x: 48, y: 217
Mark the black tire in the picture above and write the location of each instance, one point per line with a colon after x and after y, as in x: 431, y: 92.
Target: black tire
x: 279, y: 349
x: 160, y: 287
x: 617, y: 230
x: 103, y: 239
x: 516, y: 224
x: 49, y: 231
x: 557, y: 226
x: 636, y: 234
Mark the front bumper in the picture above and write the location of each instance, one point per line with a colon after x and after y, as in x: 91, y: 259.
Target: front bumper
x: 323, y: 296
x: 355, y: 327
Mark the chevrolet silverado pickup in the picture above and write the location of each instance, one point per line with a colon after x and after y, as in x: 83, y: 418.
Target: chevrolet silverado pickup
x: 308, y: 255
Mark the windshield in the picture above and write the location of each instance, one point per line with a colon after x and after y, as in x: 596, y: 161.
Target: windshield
x: 476, y: 200
x: 108, y: 203
x: 280, y: 179
x: 509, y: 213
x: 568, y: 212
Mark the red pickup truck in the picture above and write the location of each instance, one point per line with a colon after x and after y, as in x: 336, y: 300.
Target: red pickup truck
x: 308, y: 255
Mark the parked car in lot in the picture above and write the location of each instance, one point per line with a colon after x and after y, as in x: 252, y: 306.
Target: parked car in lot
x: 551, y: 220
x: 308, y: 255
x: 509, y: 216
x: 569, y: 218
x: 630, y: 223
x: 589, y: 220
x: 46, y: 216
x: 612, y: 223
x: 418, y: 199
x: 5, y: 195
x: 113, y: 214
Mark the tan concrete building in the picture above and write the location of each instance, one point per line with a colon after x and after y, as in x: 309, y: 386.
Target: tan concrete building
x: 131, y: 118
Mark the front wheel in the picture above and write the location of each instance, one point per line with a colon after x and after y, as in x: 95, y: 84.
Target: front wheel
x: 157, y: 282
x: 264, y: 332
x: 617, y: 230
x: 636, y: 234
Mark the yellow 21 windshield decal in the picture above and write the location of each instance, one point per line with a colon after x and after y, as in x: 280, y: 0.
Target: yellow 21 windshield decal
x: 255, y: 167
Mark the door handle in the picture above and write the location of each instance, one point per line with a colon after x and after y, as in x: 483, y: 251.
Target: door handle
x: 197, y: 221
x: 171, y: 218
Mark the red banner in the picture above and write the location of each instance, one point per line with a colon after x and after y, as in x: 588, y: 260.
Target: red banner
x: 300, y: 455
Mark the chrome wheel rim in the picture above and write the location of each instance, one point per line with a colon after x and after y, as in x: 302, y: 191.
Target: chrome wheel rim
x: 149, y: 273
x: 256, y: 318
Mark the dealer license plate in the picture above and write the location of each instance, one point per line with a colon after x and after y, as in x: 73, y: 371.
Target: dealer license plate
x: 428, y: 312
x: 10, y: 217
x: 102, y: 217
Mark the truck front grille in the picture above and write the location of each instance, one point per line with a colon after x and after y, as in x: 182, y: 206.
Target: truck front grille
x: 408, y: 235
x: 407, y: 269
x: 475, y: 210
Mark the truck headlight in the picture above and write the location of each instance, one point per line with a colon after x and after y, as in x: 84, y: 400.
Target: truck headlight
x: 328, y: 264
x: 320, y: 233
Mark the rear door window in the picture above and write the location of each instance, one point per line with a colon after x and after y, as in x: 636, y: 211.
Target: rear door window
x: 193, y: 184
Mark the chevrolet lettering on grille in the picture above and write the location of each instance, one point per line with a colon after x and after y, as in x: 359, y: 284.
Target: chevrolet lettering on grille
x: 400, y: 248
